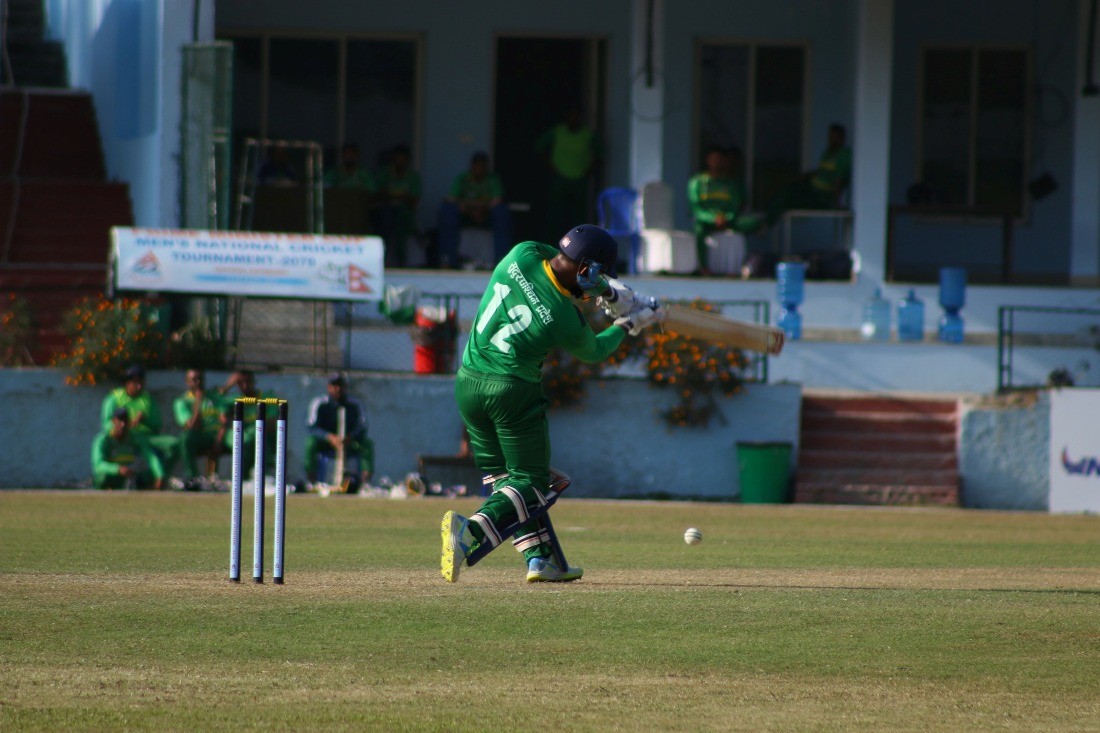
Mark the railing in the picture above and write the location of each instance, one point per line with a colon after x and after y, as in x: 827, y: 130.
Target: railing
x: 1047, y: 346
x: 295, y: 334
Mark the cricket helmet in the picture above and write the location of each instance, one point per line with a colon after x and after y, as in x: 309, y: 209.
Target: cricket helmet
x: 590, y: 243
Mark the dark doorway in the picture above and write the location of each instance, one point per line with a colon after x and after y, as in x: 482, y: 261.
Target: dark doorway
x: 537, y: 81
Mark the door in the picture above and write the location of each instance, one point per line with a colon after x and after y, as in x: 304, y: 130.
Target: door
x: 538, y: 80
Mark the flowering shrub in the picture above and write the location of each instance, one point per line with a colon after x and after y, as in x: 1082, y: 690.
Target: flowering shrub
x: 695, y: 369
x: 16, y: 331
x: 107, y: 336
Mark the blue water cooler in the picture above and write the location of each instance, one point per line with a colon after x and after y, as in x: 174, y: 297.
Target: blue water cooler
x: 790, y: 280
x: 876, y: 318
x: 910, y: 318
x: 952, y: 299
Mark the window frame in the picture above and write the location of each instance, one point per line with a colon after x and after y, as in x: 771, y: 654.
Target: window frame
x: 342, y: 39
x: 749, y: 151
x: 1024, y: 215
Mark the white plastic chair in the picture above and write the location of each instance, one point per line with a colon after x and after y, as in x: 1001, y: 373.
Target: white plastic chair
x: 663, y: 248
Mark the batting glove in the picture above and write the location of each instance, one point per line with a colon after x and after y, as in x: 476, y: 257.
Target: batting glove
x: 635, y: 321
x: 620, y: 299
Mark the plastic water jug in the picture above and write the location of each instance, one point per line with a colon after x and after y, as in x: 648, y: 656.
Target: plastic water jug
x: 790, y: 279
x: 910, y: 318
x: 876, y: 318
x: 952, y: 298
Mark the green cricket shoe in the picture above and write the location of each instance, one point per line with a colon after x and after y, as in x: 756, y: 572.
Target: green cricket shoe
x: 546, y: 570
x: 457, y: 543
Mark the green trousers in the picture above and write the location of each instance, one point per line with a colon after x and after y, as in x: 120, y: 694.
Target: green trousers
x: 506, y: 419
x: 193, y: 445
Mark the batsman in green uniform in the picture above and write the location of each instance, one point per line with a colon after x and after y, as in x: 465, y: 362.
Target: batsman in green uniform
x: 527, y: 311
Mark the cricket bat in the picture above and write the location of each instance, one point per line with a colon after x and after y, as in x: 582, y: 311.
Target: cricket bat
x: 720, y: 329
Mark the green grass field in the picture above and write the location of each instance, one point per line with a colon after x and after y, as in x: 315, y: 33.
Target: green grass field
x: 115, y: 613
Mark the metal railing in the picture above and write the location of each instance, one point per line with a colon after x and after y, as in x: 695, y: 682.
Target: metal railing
x: 1047, y: 346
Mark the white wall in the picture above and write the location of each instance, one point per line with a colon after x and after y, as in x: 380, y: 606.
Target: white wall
x: 416, y: 415
x: 127, y: 54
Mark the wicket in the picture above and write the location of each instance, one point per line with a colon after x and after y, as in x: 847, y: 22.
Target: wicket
x: 258, y: 490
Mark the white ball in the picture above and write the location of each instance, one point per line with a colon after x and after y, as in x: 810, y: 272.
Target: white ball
x: 693, y: 536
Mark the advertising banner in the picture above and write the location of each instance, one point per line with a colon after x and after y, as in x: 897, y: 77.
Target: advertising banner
x: 1074, y: 450
x: 260, y: 264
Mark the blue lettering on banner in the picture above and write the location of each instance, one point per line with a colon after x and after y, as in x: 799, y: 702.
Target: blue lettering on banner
x: 1087, y: 466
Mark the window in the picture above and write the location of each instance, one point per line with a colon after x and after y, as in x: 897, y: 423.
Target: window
x: 753, y: 96
x: 973, y: 128
x: 329, y: 90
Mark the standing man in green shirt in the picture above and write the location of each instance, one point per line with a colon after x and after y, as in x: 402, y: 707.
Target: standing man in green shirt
x: 145, y: 419
x: 476, y: 199
x: 115, y: 454
x: 822, y: 187
x: 572, y: 151
x: 201, y: 415
x: 527, y: 311
x: 717, y: 198
x: 398, y: 192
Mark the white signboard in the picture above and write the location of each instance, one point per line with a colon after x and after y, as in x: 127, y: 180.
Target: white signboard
x: 248, y: 263
x: 1075, y: 450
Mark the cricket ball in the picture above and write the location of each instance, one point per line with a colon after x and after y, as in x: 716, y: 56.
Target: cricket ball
x: 693, y: 536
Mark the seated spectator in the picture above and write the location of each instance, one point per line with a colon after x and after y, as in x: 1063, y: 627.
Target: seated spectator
x: 201, y: 415
x: 476, y: 199
x: 324, y: 438
x: 822, y: 187
x: 717, y: 198
x: 349, y: 174
x: 245, y: 382
x: 120, y: 458
x: 277, y: 170
x: 144, y: 415
x: 398, y: 192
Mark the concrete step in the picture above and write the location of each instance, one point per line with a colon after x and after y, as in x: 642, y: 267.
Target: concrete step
x: 896, y: 459
x: 842, y: 440
x: 877, y: 404
x: 879, y: 422
x: 879, y: 476
x: 877, y: 494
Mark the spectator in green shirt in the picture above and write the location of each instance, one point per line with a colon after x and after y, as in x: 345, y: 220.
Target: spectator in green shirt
x: 245, y: 382
x: 572, y: 151
x: 349, y: 174
x: 476, y: 199
x: 144, y: 414
x: 201, y: 415
x: 398, y: 192
x: 115, y: 457
x: 717, y: 198
x: 822, y: 187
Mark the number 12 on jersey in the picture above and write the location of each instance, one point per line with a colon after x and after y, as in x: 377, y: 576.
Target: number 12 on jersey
x: 519, y: 318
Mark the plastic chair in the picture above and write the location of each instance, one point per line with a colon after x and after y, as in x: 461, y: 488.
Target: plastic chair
x: 618, y: 215
x: 663, y: 247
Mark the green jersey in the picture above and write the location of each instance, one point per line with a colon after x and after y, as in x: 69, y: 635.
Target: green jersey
x: 710, y: 196
x: 143, y: 403
x: 388, y: 182
x: 572, y: 152
x: 211, y: 410
x: 833, y: 170
x: 109, y: 454
x: 468, y: 190
x: 525, y: 313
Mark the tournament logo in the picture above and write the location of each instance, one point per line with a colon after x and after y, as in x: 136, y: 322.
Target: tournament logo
x: 1086, y: 466
x: 146, y: 268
